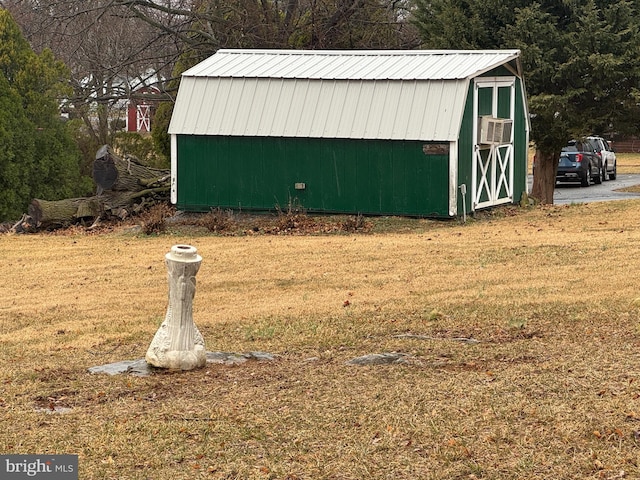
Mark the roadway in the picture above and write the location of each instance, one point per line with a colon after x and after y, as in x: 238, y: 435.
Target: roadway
x: 573, y: 193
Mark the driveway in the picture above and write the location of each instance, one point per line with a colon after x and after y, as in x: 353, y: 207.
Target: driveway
x: 606, y: 191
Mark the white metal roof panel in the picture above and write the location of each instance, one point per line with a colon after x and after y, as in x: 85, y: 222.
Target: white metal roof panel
x: 417, y: 95
x: 412, y: 110
x: 352, y: 65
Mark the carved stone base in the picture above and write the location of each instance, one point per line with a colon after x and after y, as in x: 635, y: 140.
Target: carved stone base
x: 161, y: 355
x: 178, y: 343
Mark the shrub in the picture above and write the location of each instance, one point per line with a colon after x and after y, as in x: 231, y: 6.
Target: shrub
x: 293, y: 217
x: 218, y: 220
x: 355, y: 224
x: 153, y: 220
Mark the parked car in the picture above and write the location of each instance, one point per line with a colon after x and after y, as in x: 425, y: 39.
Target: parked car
x: 579, y: 163
x: 608, y: 156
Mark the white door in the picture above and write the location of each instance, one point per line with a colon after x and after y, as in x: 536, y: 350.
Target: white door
x: 493, y: 164
x: 143, y: 118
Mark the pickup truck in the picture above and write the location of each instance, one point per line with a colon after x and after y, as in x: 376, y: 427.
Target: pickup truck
x: 579, y: 163
x: 608, y: 156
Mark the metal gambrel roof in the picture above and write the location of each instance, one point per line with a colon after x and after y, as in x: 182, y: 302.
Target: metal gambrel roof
x: 352, y: 65
x: 404, y: 95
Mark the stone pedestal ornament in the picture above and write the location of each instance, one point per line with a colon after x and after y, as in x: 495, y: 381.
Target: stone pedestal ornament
x: 178, y: 344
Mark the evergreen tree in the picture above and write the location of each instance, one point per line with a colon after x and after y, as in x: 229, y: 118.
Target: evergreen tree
x: 581, y: 63
x: 16, y: 152
x: 38, y: 157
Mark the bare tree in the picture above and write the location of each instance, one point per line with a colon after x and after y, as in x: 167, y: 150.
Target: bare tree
x: 108, y: 50
x: 111, y: 46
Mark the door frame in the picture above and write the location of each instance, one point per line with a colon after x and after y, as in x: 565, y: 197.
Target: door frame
x: 492, y: 169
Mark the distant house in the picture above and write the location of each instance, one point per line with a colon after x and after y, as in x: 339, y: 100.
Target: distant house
x: 422, y: 133
x: 141, y: 109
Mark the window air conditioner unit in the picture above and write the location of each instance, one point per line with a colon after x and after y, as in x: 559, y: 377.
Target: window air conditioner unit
x: 495, y: 131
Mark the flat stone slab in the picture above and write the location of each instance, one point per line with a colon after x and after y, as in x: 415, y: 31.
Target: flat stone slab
x: 138, y: 368
x: 379, y: 359
x: 141, y: 368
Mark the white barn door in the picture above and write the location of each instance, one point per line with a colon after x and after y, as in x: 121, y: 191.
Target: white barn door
x: 492, y: 163
x: 143, y: 118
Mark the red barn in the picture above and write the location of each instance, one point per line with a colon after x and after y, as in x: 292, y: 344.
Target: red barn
x: 141, y: 108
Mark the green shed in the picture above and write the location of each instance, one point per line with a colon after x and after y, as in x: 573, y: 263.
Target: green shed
x: 421, y: 133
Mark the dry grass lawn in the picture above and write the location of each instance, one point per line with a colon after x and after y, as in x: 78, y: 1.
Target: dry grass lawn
x: 628, y: 162
x: 550, y: 390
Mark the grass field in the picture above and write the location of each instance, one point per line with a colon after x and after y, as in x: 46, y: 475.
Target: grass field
x: 628, y: 162
x: 551, y: 388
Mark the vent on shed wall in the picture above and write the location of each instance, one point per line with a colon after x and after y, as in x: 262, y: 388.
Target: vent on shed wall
x: 495, y: 131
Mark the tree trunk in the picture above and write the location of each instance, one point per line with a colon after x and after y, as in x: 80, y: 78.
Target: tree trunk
x: 60, y: 212
x: 124, y: 186
x: 112, y: 172
x: 544, y: 176
x: 47, y: 214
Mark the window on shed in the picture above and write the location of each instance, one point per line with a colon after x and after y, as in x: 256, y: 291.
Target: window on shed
x: 485, y: 101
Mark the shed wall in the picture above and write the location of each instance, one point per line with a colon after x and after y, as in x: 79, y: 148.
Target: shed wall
x: 465, y: 156
x: 339, y: 175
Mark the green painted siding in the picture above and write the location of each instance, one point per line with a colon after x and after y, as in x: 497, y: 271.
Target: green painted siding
x: 341, y: 175
x: 465, y: 153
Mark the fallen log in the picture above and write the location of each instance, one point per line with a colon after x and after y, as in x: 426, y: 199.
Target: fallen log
x: 48, y: 213
x: 58, y: 213
x: 124, y: 174
x: 124, y: 186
